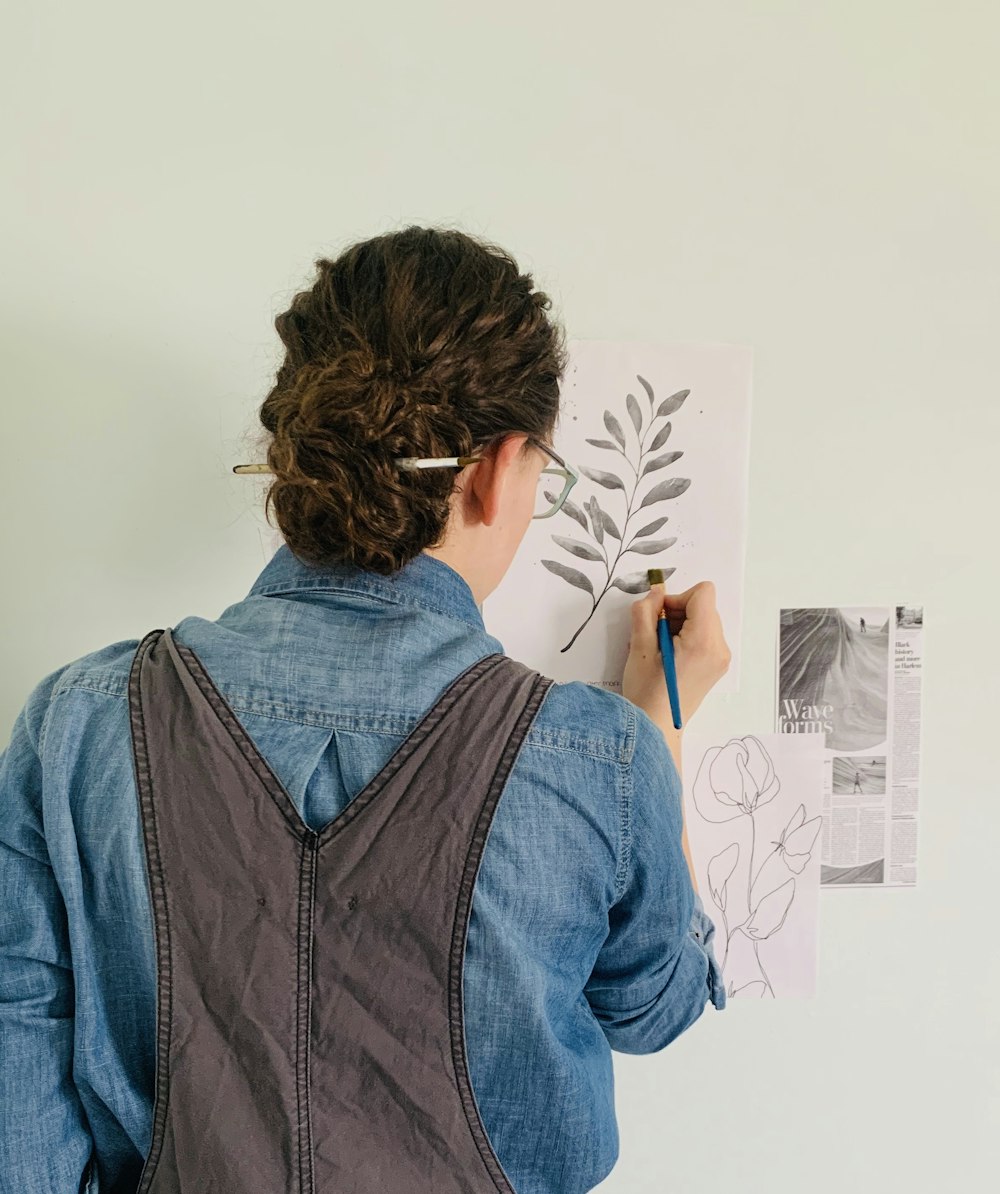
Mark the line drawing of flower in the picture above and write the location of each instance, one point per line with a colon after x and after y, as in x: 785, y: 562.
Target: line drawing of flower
x: 732, y: 990
x: 733, y: 781
x: 793, y: 849
x: 720, y: 871
x: 602, y: 527
x: 738, y: 777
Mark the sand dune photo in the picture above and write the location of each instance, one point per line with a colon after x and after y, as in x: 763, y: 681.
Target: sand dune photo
x: 834, y: 669
x: 848, y: 876
x: 859, y: 775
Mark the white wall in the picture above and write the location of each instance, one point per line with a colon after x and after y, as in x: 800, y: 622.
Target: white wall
x: 818, y: 180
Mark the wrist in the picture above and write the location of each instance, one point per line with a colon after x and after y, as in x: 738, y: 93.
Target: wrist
x: 674, y: 740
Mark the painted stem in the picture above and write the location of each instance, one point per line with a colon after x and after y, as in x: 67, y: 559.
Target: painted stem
x: 580, y: 629
x: 621, y: 545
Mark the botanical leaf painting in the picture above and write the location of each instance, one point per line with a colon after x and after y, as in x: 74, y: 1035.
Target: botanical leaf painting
x: 608, y: 544
x: 659, y: 435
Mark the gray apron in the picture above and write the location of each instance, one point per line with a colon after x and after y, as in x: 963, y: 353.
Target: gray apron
x: 310, y: 1035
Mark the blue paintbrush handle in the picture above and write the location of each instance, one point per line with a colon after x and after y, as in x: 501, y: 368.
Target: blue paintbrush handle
x: 669, y: 668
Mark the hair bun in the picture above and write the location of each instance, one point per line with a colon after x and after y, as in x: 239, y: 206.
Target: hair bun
x: 422, y: 342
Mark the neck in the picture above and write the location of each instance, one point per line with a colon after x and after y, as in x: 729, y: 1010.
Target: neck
x: 480, y: 571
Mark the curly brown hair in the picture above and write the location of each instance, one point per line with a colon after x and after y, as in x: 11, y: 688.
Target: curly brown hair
x: 420, y: 342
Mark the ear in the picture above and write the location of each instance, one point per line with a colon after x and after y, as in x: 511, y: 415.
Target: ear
x: 490, y: 476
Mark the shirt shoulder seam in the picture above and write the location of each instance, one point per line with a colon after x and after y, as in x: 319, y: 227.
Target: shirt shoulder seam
x: 116, y: 687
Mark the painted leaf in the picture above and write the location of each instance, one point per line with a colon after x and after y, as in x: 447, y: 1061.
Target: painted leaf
x: 614, y: 427
x: 720, y: 870
x: 648, y: 388
x: 655, y: 525
x: 635, y: 414
x: 674, y: 402
x: 574, y: 511
x: 575, y: 578
x: 665, y: 490
x: 653, y: 546
x: 770, y: 913
x: 602, y: 521
x: 593, y: 510
x: 603, y: 443
x: 583, y: 550
x: 608, y: 480
x: 661, y: 462
x: 661, y: 437
x: 609, y: 525
x: 637, y: 582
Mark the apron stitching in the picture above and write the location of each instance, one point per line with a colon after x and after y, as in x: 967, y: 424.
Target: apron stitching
x: 304, y: 1015
x: 161, y: 917
x: 274, y: 787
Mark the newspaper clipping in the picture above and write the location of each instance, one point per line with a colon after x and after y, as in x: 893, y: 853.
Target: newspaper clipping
x: 853, y: 674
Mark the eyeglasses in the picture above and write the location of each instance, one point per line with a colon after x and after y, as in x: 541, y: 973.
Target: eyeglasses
x: 547, y: 502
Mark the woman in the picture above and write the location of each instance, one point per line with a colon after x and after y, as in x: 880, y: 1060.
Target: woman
x: 330, y: 893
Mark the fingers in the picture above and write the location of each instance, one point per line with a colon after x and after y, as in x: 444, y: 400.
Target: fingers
x: 697, y: 602
x: 703, y: 592
x: 645, y: 613
x: 693, y: 611
x: 694, y: 616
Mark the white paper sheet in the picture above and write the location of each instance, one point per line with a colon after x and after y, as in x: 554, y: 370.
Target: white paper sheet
x: 676, y: 419
x: 852, y: 676
x: 753, y: 809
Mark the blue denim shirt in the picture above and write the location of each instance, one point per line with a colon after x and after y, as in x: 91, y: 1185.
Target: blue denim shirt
x: 585, y: 937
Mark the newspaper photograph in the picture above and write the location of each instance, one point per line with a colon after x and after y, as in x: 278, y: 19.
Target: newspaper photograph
x: 853, y: 674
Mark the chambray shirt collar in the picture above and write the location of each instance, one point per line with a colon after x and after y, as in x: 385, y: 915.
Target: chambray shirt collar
x: 425, y: 581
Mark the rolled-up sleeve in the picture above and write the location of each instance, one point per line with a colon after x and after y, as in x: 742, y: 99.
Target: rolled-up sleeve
x: 657, y: 968
x: 703, y: 929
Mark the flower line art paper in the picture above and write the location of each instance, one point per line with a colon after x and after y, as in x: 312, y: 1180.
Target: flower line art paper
x: 602, y: 527
x: 752, y: 879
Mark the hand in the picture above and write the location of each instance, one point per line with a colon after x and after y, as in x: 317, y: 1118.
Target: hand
x: 701, y: 652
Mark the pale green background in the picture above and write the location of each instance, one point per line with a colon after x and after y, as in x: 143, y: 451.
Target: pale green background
x: 819, y: 181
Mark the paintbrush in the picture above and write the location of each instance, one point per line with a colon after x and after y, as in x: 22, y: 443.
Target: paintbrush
x: 665, y: 636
